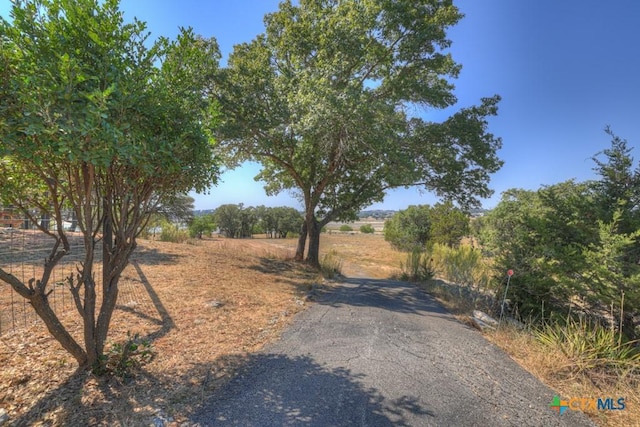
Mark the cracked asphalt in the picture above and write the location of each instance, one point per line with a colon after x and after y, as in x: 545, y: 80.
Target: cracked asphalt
x: 382, y: 353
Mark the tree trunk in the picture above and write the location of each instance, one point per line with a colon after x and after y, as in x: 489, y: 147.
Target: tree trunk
x: 56, y: 329
x: 313, y: 253
x: 302, y: 242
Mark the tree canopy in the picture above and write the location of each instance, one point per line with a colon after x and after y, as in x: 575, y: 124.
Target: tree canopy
x: 94, y: 121
x: 422, y: 226
x: 322, y: 100
x: 572, y: 243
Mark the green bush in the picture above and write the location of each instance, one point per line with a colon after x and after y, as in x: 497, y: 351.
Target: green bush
x: 123, y: 359
x: 345, y: 227
x: 367, y: 229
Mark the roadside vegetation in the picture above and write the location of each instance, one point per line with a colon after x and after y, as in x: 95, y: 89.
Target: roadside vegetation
x: 574, y: 249
x: 109, y: 132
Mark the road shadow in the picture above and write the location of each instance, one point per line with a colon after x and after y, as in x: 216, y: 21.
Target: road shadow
x: 397, y: 296
x: 285, y: 271
x: 280, y: 390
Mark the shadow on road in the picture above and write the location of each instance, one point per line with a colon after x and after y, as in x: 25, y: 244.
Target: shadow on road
x: 401, y: 297
x: 279, y: 390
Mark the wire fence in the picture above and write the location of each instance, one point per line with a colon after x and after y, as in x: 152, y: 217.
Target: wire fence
x: 23, y: 251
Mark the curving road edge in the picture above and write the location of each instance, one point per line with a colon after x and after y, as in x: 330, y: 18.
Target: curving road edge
x: 382, y: 353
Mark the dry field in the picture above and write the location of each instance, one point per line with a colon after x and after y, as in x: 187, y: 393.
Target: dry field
x: 364, y: 255
x: 204, y: 307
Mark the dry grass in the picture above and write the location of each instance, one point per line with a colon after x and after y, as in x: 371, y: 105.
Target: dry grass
x: 554, y: 369
x: 204, y: 307
x: 363, y: 255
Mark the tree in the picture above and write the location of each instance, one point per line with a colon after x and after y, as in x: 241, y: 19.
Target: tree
x: 228, y: 219
x: 201, y: 224
x: 321, y: 100
x: 542, y: 236
x: 288, y: 220
x: 618, y: 190
x: 96, y: 122
x: 448, y: 224
x: 409, y: 229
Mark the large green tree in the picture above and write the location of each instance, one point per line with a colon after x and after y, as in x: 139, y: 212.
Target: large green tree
x: 322, y: 100
x: 94, y: 121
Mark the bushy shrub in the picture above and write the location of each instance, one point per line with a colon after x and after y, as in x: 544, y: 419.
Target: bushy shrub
x: 345, y: 228
x: 367, y: 229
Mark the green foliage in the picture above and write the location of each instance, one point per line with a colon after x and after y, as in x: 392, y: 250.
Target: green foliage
x: 589, y: 345
x: 570, y: 240
x: 176, y: 208
x: 448, y: 224
x: 331, y: 265
x: 202, y: 224
x: 98, y: 121
x: 607, y: 272
x: 228, y: 219
x: 409, y: 229
x: 236, y: 221
x: 346, y: 228
x: 287, y: 222
x: 423, y: 226
x: 418, y: 267
x: 618, y: 188
x: 367, y: 229
x: 541, y: 235
x: 124, y: 359
x: 321, y: 98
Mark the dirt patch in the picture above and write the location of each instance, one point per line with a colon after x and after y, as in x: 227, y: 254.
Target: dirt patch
x: 203, y: 307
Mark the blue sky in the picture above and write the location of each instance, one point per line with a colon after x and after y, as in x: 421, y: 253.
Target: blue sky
x: 565, y: 69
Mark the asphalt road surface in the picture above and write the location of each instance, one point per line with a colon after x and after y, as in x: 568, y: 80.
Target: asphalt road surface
x: 382, y: 353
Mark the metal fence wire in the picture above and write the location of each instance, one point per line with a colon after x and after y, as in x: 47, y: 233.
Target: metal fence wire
x: 23, y: 250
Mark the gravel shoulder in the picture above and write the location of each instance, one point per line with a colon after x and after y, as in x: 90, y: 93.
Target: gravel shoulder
x: 377, y: 353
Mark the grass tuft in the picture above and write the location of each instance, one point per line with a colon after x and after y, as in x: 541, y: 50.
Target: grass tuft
x: 590, y: 346
x: 331, y: 265
x: 417, y: 267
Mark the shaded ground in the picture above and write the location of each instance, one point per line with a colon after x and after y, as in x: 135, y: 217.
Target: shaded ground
x: 376, y: 352
x: 204, y: 306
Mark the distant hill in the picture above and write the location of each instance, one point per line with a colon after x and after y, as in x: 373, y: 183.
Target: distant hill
x: 377, y: 214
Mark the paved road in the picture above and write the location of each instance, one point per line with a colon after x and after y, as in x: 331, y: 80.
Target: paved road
x: 381, y: 353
